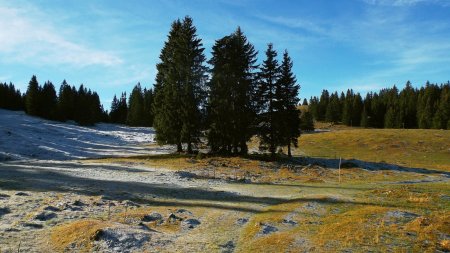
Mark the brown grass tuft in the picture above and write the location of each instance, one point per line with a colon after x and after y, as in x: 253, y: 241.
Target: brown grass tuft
x: 78, y: 234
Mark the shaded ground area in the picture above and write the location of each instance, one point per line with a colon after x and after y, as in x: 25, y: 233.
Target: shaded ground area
x: 169, y: 203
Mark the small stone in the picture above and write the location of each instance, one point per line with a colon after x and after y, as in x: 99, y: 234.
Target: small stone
x: 183, y: 211
x: 191, y: 223
x: 78, y: 203
x: 44, y: 216
x: 52, y: 209
x: 228, y: 247
x: 173, y: 218
x: 22, y: 194
x: 152, y: 217
x: 268, y: 229
x: 241, y: 221
x: 32, y: 225
x: 289, y: 222
x: 130, y: 203
x: 4, y: 196
x: 12, y: 230
x: 4, y: 210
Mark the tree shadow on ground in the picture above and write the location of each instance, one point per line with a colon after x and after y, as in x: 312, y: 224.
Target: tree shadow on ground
x: 373, y: 166
x: 43, y: 180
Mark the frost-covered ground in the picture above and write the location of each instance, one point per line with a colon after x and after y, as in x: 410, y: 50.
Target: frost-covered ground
x: 25, y: 137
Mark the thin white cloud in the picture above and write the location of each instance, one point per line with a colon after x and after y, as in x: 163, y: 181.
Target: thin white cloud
x: 34, y: 41
x: 403, y: 3
x: 303, y: 24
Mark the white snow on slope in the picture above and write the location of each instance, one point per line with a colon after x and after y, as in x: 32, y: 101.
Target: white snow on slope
x: 26, y: 137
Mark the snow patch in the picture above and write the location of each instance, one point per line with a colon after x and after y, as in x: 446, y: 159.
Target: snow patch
x: 25, y: 137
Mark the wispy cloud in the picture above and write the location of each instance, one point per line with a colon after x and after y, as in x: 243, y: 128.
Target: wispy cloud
x: 26, y: 37
x: 407, y: 2
x: 304, y: 24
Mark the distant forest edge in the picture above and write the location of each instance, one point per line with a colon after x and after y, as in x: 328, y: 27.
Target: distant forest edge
x: 426, y: 107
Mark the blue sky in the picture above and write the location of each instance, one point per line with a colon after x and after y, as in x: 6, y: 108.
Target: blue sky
x: 335, y: 44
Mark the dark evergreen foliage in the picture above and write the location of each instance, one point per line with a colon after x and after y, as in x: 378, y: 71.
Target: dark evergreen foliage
x: 32, y: 99
x: 180, y: 85
x: 269, y: 102
x: 49, y: 102
x: 287, y: 116
x: 232, y: 102
x: 82, y: 105
x: 10, y: 97
x: 306, y: 121
x: 119, y: 109
x: 135, y: 115
x: 427, y: 107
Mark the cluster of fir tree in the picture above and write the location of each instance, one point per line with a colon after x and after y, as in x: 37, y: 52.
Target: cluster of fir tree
x: 137, y: 112
x: 306, y: 117
x: 82, y: 105
x: 228, y: 103
x: 10, y: 97
x: 427, y: 107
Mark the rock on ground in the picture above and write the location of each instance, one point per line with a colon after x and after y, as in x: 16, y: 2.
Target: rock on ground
x: 121, y: 239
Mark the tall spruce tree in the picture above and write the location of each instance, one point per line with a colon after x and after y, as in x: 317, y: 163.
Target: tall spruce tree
x: 268, y: 110
x: 231, y: 101
x: 66, y: 101
x: 32, y: 97
x: 286, y: 99
x: 441, y: 116
x: 347, y: 110
x: 49, y: 104
x: 179, y: 86
x: 148, y: 110
x: 135, y: 116
x: 408, y: 106
x: 333, y: 112
x: 306, y: 121
x: 10, y: 97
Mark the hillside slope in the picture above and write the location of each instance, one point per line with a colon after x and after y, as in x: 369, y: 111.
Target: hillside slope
x: 26, y: 137
x: 419, y: 148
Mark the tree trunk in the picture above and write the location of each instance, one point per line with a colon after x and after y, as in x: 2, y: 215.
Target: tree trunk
x: 179, y: 147
x: 189, y: 148
x: 289, y: 149
x: 244, y: 149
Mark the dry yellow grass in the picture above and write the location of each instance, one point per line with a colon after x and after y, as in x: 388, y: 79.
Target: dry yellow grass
x: 276, y: 242
x: 79, y: 234
x: 359, y: 226
x: 418, y: 148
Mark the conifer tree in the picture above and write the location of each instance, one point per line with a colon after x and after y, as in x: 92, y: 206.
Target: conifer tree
x: 441, y: 116
x: 268, y: 113
x: 408, y: 106
x: 232, y: 99
x: 66, y: 101
x: 305, y: 102
x: 148, y: 110
x: 347, y: 111
x: 179, y: 86
x: 306, y: 121
x: 10, y: 97
x: 323, y: 104
x: 49, y: 102
x: 333, y: 111
x: 286, y: 99
x: 135, y: 116
x: 32, y: 97
x: 313, y: 107
x: 357, y: 108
